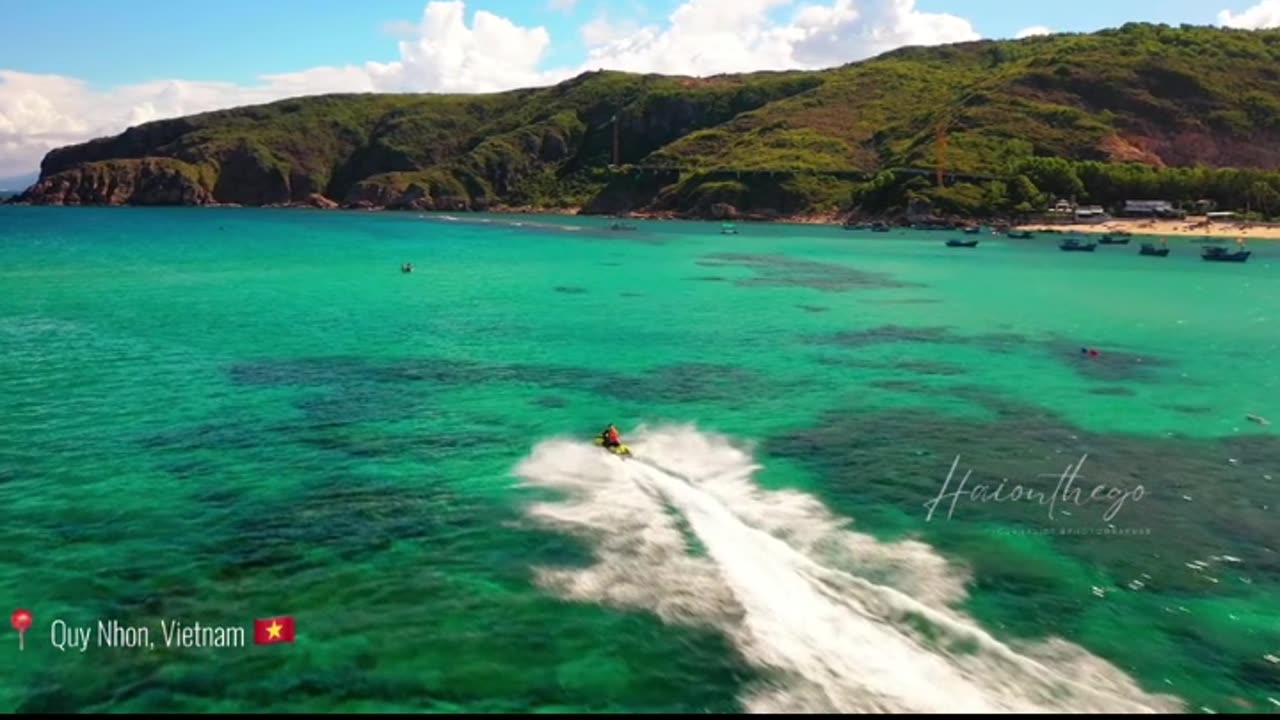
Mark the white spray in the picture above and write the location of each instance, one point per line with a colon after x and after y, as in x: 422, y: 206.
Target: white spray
x: 854, y: 624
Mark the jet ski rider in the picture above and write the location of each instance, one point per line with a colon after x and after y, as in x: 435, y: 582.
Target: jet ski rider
x: 611, y: 436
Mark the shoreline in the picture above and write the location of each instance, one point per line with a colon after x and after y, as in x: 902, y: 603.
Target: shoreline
x: 828, y: 218
x: 1167, y: 228
x: 1136, y: 227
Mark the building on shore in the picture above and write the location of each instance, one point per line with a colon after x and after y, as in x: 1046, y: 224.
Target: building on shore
x: 1091, y: 214
x: 1151, y: 209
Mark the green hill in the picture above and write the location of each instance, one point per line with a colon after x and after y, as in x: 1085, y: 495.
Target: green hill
x: 1142, y: 107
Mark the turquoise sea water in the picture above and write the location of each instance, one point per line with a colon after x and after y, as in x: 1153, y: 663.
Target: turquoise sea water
x: 220, y: 415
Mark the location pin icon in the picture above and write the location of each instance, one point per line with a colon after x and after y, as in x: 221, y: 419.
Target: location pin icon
x: 21, y: 621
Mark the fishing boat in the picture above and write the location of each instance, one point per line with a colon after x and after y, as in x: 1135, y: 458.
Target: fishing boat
x: 1116, y: 239
x: 1075, y: 245
x: 728, y: 229
x: 1020, y: 234
x: 973, y: 230
x: 1217, y: 253
x: 956, y: 242
x: 1149, y: 249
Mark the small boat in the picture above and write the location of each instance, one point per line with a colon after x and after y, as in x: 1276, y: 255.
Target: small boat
x: 1020, y: 234
x: 728, y: 229
x: 954, y: 242
x: 880, y: 227
x: 406, y: 268
x: 973, y: 230
x: 622, y: 226
x: 1217, y: 253
x: 1116, y: 239
x: 1149, y: 249
x: 1074, y: 245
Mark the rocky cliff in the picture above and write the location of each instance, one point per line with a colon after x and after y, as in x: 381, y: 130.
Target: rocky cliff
x: 147, y: 181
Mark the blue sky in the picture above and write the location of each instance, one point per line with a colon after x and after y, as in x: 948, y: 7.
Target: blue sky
x: 236, y: 40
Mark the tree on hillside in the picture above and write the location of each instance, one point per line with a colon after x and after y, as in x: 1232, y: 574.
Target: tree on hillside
x: 1056, y: 176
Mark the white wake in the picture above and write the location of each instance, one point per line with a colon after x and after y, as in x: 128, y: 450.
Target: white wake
x: 848, y: 623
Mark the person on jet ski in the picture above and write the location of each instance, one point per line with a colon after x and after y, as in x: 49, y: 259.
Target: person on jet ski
x: 611, y: 436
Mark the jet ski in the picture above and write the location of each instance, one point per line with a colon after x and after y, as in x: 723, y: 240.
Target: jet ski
x: 619, y: 450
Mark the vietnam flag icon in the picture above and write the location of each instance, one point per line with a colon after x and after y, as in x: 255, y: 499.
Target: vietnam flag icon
x: 273, y: 630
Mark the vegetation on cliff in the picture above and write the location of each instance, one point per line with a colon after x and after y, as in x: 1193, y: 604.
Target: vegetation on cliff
x: 1035, y: 183
x: 1139, y: 111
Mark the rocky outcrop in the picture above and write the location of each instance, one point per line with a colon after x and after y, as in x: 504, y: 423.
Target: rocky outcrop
x: 318, y: 201
x: 410, y: 191
x: 146, y: 181
x: 250, y: 176
x: 136, y: 142
x: 314, y: 201
x: 723, y: 211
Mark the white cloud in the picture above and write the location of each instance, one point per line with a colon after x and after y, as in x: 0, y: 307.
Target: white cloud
x: 1265, y: 14
x: 442, y: 53
x: 601, y: 30
x: 704, y: 37
x: 1033, y: 31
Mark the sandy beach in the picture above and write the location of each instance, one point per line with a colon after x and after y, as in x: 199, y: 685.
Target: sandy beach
x: 1191, y: 227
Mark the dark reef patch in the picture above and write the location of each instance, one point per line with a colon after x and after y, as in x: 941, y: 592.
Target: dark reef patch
x: 1191, y: 409
x: 357, y: 402
x: 884, y: 334
x: 916, y: 367
x: 693, y: 382
x: 302, y: 372
x: 1115, y: 365
x: 905, y: 301
x: 352, y: 516
x: 551, y: 402
x: 909, y: 386
x: 359, y: 389
x: 783, y: 271
x: 1109, y: 365
x: 570, y: 289
x: 1112, y: 391
x: 221, y: 435
x: 928, y: 367
x: 426, y: 447
x: 709, y: 278
x: 1036, y: 558
x: 901, y: 458
x: 813, y: 308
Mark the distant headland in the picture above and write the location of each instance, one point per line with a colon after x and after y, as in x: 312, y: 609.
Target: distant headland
x: 978, y: 130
